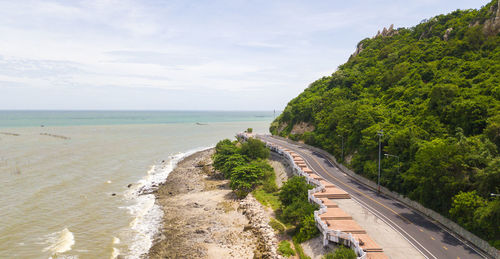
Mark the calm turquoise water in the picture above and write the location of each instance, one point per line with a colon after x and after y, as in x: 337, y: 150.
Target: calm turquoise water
x: 79, y: 118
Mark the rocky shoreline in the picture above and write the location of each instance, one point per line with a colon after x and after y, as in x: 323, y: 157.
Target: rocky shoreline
x: 203, y: 219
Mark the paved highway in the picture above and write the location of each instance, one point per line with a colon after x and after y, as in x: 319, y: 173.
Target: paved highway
x: 428, y: 237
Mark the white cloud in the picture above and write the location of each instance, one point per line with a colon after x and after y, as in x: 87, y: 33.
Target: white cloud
x: 263, y: 52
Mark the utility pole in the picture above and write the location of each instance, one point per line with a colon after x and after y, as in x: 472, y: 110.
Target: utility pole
x: 380, y: 133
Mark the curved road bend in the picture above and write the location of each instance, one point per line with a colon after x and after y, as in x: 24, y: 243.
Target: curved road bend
x: 426, y: 236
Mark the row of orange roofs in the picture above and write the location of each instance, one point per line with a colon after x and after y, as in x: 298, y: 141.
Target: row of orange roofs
x: 334, y: 217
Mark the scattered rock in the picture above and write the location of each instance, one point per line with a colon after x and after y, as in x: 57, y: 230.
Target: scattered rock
x: 259, y: 222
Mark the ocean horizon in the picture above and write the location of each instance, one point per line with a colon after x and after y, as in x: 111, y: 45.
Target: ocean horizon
x: 72, y: 188
x: 35, y: 118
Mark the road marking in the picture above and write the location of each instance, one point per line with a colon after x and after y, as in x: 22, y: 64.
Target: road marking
x: 421, y: 230
x: 352, y: 188
x: 403, y: 218
x: 445, y: 248
x: 394, y: 226
x: 433, y: 238
x: 374, y: 211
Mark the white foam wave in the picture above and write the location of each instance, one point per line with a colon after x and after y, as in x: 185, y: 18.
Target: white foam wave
x: 147, y: 215
x: 60, y: 242
x: 115, y: 253
x: 116, y: 240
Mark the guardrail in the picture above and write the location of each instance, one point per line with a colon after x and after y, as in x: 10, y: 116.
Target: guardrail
x: 335, y: 236
x: 441, y: 220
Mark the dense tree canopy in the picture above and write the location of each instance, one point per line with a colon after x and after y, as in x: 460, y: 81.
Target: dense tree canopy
x: 434, y: 89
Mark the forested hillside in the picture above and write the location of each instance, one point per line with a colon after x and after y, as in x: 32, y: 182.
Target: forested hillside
x: 434, y: 90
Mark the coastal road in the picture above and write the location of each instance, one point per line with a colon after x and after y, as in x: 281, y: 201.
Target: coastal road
x: 429, y: 238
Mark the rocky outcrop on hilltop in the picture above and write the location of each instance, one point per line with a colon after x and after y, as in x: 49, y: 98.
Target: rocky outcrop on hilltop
x: 492, y: 26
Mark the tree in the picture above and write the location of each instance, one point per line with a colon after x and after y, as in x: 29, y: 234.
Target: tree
x: 463, y: 207
x: 254, y: 149
x: 294, y: 189
x: 307, y: 229
x: 295, y: 212
x: 231, y: 162
x: 244, y: 178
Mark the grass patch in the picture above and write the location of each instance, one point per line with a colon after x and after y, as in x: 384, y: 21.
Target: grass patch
x: 267, y: 199
x: 300, y: 251
x: 285, y: 249
x: 277, y: 226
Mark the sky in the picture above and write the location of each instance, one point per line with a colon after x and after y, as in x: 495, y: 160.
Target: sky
x: 185, y: 55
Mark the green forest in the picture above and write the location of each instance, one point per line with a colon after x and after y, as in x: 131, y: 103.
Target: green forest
x: 434, y: 90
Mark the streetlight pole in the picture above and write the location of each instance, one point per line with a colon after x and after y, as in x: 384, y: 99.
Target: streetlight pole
x: 380, y: 133
x: 395, y: 157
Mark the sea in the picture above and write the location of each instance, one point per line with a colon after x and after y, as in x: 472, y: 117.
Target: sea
x: 74, y: 184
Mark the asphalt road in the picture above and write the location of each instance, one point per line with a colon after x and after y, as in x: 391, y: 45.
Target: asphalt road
x: 429, y: 238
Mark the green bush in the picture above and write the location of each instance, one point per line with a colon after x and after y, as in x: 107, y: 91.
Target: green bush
x: 343, y: 252
x: 285, y: 249
x: 297, y: 211
x: 306, y: 229
x: 294, y: 189
x: 254, y: 149
x: 231, y: 162
x: 249, y: 130
x: 244, y: 179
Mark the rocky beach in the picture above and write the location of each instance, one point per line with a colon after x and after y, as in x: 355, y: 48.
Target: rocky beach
x: 203, y: 219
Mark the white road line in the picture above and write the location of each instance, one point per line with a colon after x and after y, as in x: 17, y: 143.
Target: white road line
x: 379, y: 215
x: 437, y: 224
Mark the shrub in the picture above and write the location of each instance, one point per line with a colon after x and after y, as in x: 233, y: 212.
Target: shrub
x: 293, y: 189
x: 285, y: 249
x: 307, y: 229
x: 344, y: 253
x: 244, y: 178
x: 231, y: 162
x: 249, y: 130
x: 254, y: 149
x: 297, y: 211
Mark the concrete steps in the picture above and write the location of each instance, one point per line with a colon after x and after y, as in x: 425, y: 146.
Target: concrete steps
x: 332, y: 193
x: 335, y: 214
x: 367, y: 244
x: 376, y: 255
x: 346, y: 226
x: 328, y: 203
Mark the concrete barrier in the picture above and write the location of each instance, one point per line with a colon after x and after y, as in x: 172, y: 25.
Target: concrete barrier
x: 441, y: 220
x: 338, y: 237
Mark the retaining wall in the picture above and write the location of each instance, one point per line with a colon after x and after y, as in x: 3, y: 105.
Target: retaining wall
x: 444, y: 222
x: 335, y: 236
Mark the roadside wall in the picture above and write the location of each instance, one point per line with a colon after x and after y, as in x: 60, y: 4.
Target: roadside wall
x: 446, y: 223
